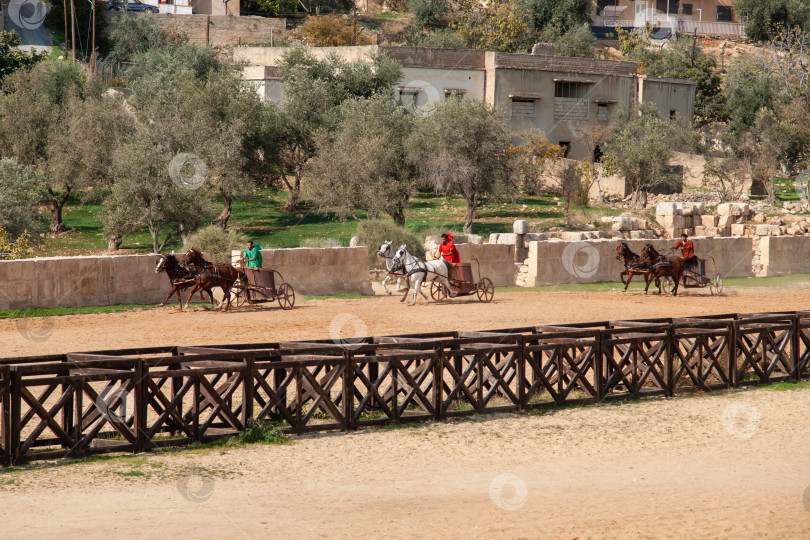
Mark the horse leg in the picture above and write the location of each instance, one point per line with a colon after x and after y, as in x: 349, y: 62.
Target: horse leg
x: 399, y: 286
x: 409, y: 280
x: 171, y: 292
x: 647, y: 280
x: 629, y: 279
x: 385, y: 288
x: 190, y: 296
x: 417, y: 287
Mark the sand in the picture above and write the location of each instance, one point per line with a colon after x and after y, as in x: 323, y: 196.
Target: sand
x: 731, y: 465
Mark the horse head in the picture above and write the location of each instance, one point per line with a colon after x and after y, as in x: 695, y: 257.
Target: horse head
x: 385, y: 249
x: 621, y: 250
x: 160, y: 264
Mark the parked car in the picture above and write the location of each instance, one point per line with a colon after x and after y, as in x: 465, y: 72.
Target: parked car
x: 131, y: 5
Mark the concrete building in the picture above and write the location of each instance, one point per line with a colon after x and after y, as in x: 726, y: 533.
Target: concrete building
x: 714, y: 17
x: 566, y: 98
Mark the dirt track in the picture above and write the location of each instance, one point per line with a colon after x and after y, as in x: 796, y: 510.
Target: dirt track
x: 726, y: 466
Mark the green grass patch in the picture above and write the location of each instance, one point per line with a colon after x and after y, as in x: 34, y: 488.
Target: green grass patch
x: 786, y: 385
x: 51, y: 312
x: 261, y: 432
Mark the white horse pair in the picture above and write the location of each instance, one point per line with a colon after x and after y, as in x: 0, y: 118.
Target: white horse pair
x: 419, y: 271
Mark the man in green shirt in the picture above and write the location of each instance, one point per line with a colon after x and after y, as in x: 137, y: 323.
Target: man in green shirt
x: 253, y: 256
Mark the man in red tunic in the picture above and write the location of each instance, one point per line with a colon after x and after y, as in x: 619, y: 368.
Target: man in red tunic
x: 687, y: 251
x: 449, y: 253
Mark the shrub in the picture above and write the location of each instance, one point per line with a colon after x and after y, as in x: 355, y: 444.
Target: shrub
x: 374, y: 233
x: 261, y: 432
x: 443, y: 38
x: 332, y: 31
x: 216, y: 242
x: 321, y: 243
x: 429, y: 13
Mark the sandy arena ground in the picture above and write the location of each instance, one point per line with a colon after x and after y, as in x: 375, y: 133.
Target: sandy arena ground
x: 734, y: 465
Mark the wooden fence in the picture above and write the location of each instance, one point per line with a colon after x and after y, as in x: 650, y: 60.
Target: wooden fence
x: 133, y: 400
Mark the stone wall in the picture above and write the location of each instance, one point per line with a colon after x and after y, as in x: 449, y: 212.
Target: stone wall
x: 81, y: 281
x: 555, y: 261
x: 222, y: 29
x: 496, y: 260
x: 781, y: 255
x: 320, y: 271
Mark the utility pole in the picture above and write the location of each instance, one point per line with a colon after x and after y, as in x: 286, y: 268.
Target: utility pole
x: 93, y: 54
x: 64, y: 10
x: 73, y: 30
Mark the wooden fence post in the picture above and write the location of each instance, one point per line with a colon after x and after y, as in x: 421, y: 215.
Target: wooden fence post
x: 669, y: 359
x: 598, y: 374
x: 348, y: 390
x: 794, y: 348
x: 247, y: 392
x: 520, y: 361
x: 5, y: 416
x: 438, y: 382
x: 141, y: 402
x: 16, y: 416
x: 732, y: 352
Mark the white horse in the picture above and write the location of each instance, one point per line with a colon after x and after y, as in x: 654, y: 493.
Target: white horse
x: 385, y: 253
x: 419, y: 271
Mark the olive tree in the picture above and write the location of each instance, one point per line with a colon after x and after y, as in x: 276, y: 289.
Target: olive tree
x: 640, y: 145
x: 362, y: 163
x: 312, y: 89
x: 463, y: 148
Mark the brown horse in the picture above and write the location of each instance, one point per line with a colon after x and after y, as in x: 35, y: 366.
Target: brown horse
x: 661, y: 266
x: 209, y: 275
x: 179, y: 276
x: 633, y: 265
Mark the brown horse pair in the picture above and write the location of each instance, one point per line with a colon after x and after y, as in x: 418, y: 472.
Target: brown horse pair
x: 180, y: 278
x: 650, y: 264
x: 209, y: 275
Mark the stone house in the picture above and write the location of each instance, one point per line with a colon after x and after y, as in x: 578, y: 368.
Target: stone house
x: 566, y: 98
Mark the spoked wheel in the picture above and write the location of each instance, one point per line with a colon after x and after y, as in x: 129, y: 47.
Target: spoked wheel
x: 438, y: 291
x: 238, y: 296
x: 667, y: 284
x: 485, y: 290
x: 285, y: 296
x: 716, y: 285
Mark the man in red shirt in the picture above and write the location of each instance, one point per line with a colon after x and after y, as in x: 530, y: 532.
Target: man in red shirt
x: 687, y: 250
x: 449, y: 253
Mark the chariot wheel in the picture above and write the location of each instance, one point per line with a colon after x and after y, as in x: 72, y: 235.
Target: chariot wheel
x: 716, y: 285
x: 485, y: 290
x: 438, y: 291
x: 667, y: 284
x: 238, y: 297
x: 285, y: 296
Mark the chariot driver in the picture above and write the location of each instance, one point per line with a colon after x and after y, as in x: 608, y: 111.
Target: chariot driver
x: 449, y: 253
x: 687, y: 251
x: 252, y: 256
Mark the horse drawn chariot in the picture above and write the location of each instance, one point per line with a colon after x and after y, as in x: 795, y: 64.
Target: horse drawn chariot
x: 696, y: 277
x: 463, y: 284
x: 262, y: 285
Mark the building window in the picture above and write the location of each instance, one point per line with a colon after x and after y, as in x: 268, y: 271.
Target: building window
x: 571, y: 100
x: 454, y: 93
x: 725, y: 13
x: 661, y: 6
x: 524, y: 107
x: 686, y: 9
x: 566, y: 146
x: 603, y: 112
